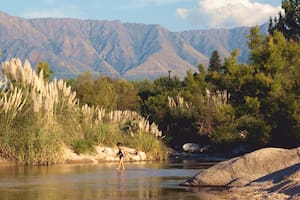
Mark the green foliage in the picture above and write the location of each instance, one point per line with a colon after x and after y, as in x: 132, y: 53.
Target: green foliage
x: 92, y: 136
x: 45, y: 67
x: 156, y: 107
x: 154, y: 98
x: 225, y: 135
x: 38, y: 142
x: 225, y: 126
x: 85, y: 87
x: 228, y: 104
x: 110, y: 134
x: 127, y: 96
x: 167, y: 86
x: 145, y: 89
x: 111, y: 94
x: 252, y: 105
x: 194, y: 86
x: 215, y: 64
x: 146, y: 143
x: 257, y: 130
x: 289, y: 22
x: 38, y: 118
x: 274, y: 81
x: 180, y: 120
x: 83, y: 146
x: 263, y: 94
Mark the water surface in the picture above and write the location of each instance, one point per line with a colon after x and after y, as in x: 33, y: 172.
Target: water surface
x: 149, y: 180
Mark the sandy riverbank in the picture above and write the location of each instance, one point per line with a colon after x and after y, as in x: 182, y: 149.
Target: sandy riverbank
x: 101, y: 154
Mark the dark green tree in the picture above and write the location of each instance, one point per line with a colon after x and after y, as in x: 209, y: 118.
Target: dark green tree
x: 215, y: 64
x: 271, y: 90
x: 194, y: 86
x: 289, y: 23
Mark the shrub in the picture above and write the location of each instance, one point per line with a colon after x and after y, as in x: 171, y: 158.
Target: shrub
x: 38, y: 117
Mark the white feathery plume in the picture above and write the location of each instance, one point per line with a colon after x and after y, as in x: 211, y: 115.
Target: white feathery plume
x: 56, y: 96
x: 28, y: 72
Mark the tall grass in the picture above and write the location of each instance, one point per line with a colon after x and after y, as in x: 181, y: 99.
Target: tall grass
x: 37, y: 118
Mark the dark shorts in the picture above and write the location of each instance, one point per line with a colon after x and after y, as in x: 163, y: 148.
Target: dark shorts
x: 120, y: 154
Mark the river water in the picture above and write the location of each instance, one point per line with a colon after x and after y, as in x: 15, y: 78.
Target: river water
x: 149, y: 180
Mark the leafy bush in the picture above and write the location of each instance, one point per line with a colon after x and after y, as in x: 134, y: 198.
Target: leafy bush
x: 83, y: 146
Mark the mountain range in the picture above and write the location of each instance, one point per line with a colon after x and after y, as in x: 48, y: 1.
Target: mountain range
x: 120, y: 50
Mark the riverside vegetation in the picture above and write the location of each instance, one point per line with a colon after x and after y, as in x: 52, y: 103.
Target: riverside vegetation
x: 227, y: 105
x: 37, y: 118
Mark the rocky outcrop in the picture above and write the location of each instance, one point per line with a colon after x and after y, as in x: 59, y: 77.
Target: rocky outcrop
x: 264, y: 174
x: 283, y: 184
x: 242, y: 170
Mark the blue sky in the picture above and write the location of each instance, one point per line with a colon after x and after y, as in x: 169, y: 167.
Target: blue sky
x: 175, y: 15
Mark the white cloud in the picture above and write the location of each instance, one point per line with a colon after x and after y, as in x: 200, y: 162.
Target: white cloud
x: 182, y: 12
x: 228, y: 13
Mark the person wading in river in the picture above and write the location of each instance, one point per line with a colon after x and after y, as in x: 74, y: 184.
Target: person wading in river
x: 121, y: 157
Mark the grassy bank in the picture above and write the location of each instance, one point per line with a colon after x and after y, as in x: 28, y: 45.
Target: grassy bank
x: 38, y: 117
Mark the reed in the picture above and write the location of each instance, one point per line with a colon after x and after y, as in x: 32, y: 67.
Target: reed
x: 29, y: 109
x: 179, y: 102
x: 37, y: 118
x: 219, y: 98
x: 11, y: 103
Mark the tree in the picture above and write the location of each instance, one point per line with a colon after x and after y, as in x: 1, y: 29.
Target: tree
x: 289, y: 23
x: 271, y: 90
x: 215, y: 64
x: 47, y: 72
x: 194, y: 85
x: 127, y: 96
x: 83, y: 86
x: 104, y: 93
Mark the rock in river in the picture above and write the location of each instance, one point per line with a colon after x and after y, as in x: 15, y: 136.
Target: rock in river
x: 244, y: 170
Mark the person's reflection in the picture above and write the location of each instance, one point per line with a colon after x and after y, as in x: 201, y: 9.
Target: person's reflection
x: 121, y: 184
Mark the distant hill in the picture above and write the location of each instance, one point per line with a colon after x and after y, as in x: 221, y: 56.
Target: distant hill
x: 124, y: 50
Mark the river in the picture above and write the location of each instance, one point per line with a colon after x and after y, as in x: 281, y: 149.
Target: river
x: 148, y: 180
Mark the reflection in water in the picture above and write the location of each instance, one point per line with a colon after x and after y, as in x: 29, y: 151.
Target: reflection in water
x: 101, y: 181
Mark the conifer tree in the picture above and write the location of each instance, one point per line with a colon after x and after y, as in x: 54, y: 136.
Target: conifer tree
x: 215, y: 62
x: 289, y: 23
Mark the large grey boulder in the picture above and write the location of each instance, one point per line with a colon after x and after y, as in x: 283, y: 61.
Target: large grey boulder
x: 243, y: 170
